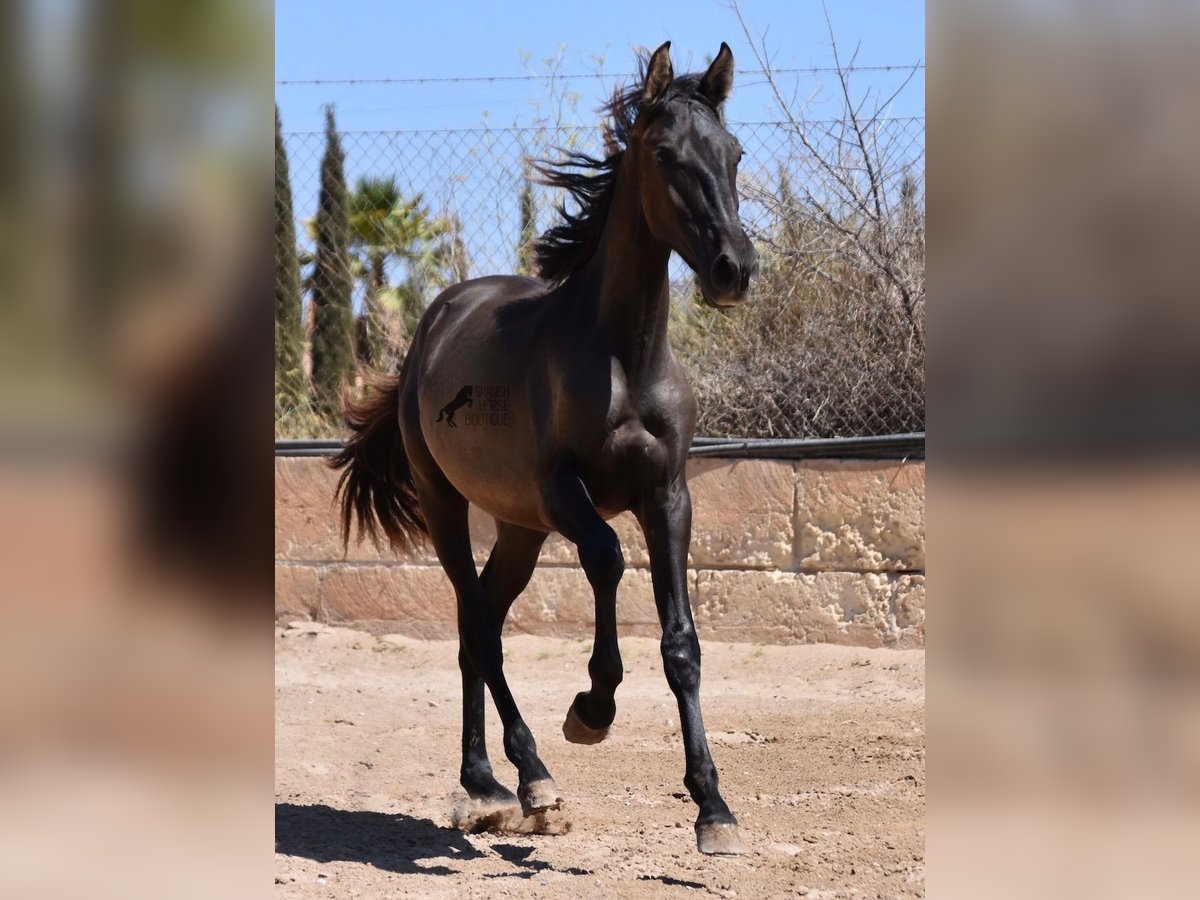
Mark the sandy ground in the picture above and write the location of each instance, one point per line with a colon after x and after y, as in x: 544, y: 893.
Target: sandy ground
x: 821, y: 751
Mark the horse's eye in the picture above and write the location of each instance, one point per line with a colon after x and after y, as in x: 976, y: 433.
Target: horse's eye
x: 664, y: 155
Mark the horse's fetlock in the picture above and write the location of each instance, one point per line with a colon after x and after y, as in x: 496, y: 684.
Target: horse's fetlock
x: 701, y: 781
x: 607, y: 669
x: 474, y: 772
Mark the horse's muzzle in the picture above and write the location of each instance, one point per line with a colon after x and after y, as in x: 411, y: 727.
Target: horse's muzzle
x: 729, y: 276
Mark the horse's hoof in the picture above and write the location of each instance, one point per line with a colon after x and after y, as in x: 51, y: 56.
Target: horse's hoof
x: 719, y: 839
x: 538, y: 796
x: 578, y: 733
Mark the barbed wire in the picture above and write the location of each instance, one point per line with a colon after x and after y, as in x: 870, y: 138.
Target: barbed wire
x: 461, y: 79
x: 574, y: 126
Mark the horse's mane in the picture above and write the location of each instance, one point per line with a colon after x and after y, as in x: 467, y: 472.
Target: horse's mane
x: 590, y: 181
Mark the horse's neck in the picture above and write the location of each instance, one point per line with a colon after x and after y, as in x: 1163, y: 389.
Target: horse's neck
x: 631, y: 272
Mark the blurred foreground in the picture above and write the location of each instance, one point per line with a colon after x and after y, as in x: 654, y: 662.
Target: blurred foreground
x: 1063, y: 489
x: 1064, y: 701
x: 1065, y: 717
x: 135, y: 662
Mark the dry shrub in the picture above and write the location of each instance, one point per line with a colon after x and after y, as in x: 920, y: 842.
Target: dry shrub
x: 833, y: 343
x: 805, y: 357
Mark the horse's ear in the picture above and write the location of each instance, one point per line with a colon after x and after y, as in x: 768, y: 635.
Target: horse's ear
x: 718, y: 80
x: 658, y: 74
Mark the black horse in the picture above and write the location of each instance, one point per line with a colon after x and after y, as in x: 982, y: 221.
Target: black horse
x: 599, y: 419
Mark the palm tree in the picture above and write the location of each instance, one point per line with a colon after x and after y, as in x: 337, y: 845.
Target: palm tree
x: 386, y: 229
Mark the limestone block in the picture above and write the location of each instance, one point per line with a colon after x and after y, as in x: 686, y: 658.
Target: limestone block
x: 783, y: 552
x: 419, y: 599
x: 297, y: 592
x: 308, y: 525
x: 860, y: 515
x: 828, y: 607
x: 741, y: 512
x: 305, y: 520
x: 559, y: 601
x: 483, y: 536
x: 907, y: 604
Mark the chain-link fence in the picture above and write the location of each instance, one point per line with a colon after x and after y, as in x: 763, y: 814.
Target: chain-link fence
x: 832, y: 342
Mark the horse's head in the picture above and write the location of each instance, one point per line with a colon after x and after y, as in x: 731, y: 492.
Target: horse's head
x: 687, y: 162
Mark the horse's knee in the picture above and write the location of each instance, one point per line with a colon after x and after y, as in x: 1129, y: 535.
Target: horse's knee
x: 681, y: 659
x: 602, y: 560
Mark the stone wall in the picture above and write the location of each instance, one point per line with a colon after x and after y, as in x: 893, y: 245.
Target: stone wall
x: 782, y: 552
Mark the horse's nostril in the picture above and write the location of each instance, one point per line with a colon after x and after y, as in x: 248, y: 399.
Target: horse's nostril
x: 725, y: 271
x: 747, y: 273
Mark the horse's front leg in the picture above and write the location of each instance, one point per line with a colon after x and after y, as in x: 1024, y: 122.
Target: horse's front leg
x: 666, y: 521
x: 567, y: 505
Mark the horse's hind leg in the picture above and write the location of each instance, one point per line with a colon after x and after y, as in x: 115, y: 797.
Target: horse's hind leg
x: 479, y: 633
x: 506, y: 574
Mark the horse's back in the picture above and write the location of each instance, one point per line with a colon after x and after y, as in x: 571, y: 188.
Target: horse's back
x: 478, y: 332
x: 466, y: 298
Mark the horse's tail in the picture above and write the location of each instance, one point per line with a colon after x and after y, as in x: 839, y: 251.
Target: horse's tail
x: 441, y: 412
x: 376, y: 485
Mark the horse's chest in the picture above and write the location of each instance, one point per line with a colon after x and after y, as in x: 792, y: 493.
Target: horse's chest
x: 630, y: 462
x: 633, y: 445
x: 620, y: 433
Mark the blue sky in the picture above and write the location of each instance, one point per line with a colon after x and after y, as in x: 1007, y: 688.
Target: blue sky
x: 319, y: 39
x: 397, y: 39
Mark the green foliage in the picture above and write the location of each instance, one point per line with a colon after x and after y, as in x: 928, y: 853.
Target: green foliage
x: 389, y: 231
x: 528, y: 228
x: 333, y: 316
x: 289, y: 372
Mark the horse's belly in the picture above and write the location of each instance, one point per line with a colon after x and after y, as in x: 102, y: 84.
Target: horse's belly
x: 501, y: 489
x: 484, y: 445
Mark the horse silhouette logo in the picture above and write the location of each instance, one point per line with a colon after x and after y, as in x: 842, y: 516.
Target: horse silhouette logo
x: 463, y: 398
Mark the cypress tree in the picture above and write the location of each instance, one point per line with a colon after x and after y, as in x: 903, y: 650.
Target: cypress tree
x: 289, y: 375
x: 333, y: 315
